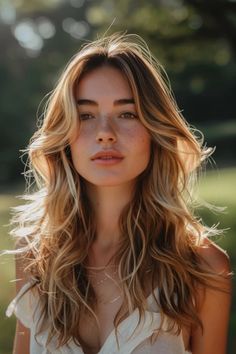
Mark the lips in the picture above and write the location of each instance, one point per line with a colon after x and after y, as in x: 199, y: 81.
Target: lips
x: 107, y: 155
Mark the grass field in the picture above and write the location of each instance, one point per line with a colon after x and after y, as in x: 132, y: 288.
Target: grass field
x: 217, y: 187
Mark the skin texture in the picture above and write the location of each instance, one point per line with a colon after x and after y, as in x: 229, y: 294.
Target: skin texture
x: 105, y: 126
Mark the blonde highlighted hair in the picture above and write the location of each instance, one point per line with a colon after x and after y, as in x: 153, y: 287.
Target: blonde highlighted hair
x: 160, y: 232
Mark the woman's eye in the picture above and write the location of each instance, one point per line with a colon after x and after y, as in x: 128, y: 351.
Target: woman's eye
x: 85, y: 116
x: 128, y: 115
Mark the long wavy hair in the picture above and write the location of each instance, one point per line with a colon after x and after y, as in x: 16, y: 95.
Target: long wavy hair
x: 160, y: 232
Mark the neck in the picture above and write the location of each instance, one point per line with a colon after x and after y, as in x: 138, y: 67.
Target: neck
x: 108, y: 203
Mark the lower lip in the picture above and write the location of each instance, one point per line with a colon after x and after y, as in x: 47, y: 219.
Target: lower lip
x: 112, y: 161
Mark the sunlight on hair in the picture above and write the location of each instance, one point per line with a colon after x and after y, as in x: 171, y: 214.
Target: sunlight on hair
x: 55, y: 228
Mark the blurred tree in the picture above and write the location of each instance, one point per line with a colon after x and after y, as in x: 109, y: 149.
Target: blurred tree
x: 219, y: 20
x: 36, y: 47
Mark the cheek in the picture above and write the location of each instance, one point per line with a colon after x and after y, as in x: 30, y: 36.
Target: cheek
x: 83, y: 139
x: 78, y: 147
x: 141, y: 140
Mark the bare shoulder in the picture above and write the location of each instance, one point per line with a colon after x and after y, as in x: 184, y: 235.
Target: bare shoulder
x: 22, y: 333
x: 22, y: 277
x: 214, y: 303
x: 214, y: 257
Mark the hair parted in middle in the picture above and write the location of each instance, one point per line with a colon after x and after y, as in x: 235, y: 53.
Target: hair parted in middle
x: 160, y: 233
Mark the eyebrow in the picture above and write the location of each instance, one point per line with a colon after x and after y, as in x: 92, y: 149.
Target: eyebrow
x: 121, y: 101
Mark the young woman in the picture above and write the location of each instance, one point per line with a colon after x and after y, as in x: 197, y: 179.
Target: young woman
x: 110, y: 257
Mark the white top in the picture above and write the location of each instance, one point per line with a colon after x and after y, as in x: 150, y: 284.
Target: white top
x: 27, y: 311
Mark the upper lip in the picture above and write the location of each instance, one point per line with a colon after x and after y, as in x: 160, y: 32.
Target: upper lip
x: 106, y: 153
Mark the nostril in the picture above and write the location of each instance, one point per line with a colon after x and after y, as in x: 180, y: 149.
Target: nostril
x: 109, y: 139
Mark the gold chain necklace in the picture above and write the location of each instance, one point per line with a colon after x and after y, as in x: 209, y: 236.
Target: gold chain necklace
x: 103, y: 280
x: 106, y: 277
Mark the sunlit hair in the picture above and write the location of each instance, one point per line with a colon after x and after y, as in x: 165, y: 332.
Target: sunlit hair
x: 160, y: 232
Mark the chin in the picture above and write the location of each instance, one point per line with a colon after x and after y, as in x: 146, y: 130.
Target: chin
x: 108, y: 182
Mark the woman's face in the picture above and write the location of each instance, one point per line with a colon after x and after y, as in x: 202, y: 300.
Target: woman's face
x: 108, y: 124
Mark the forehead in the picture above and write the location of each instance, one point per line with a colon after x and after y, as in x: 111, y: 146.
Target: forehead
x: 103, y: 81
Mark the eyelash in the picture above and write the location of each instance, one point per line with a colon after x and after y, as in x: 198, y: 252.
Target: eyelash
x: 131, y: 114
x: 83, y: 115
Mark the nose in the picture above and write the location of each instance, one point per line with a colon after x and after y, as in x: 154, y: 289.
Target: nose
x: 105, y: 132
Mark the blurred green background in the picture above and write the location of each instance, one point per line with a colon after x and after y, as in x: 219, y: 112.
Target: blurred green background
x: 194, y: 40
